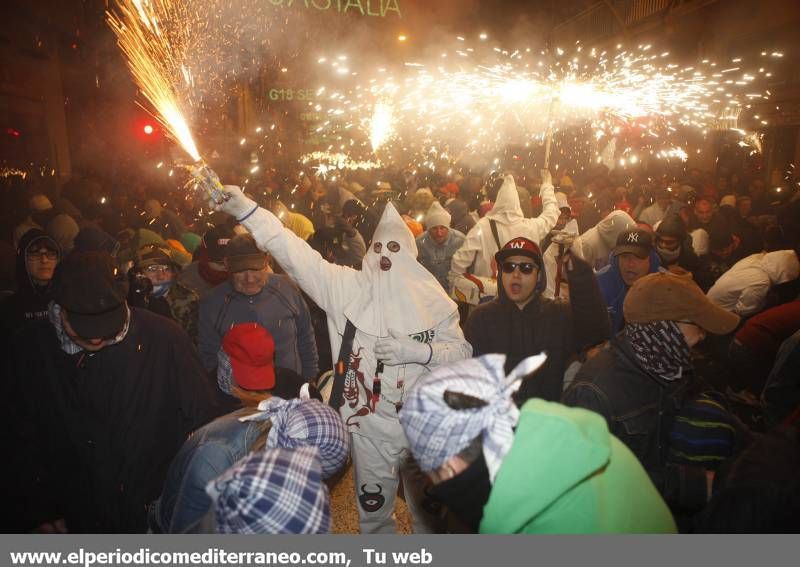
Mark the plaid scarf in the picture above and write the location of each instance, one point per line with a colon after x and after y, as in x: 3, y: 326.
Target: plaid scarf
x: 67, y: 344
x: 298, y: 423
x: 660, y: 348
x: 277, y: 491
x: 436, y: 432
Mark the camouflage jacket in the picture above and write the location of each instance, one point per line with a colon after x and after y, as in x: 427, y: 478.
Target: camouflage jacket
x: 183, y: 305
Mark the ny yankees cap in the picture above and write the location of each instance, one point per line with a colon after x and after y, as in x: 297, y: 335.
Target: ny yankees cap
x: 636, y: 241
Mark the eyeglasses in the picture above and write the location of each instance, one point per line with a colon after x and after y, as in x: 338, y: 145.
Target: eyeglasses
x: 42, y: 254
x: 524, y: 267
x: 157, y: 269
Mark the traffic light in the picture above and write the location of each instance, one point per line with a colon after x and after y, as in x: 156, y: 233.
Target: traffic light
x: 148, y: 129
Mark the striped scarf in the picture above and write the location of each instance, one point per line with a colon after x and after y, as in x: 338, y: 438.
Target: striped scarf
x: 660, y: 348
x: 67, y: 344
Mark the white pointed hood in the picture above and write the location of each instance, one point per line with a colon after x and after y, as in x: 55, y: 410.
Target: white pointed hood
x: 407, y: 298
x: 506, y: 209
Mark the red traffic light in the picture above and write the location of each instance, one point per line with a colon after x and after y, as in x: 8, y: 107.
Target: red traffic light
x: 148, y: 129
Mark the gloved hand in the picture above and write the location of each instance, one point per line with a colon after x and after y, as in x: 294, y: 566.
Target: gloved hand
x: 400, y: 349
x: 547, y: 179
x: 238, y: 205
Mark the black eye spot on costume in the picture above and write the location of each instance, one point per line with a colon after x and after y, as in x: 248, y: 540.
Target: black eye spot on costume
x: 377, y: 247
x: 393, y: 246
x: 371, y: 501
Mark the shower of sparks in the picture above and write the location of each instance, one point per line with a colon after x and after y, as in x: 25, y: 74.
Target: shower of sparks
x: 327, y: 162
x: 6, y: 172
x: 381, y: 127
x: 479, y: 101
x: 750, y: 140
x: 674, y: 153
x: 151, y: 36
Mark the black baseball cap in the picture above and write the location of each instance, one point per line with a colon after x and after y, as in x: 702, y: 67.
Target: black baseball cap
x: 216, y: 240
x: 92, y: 294
x: 636, y: 241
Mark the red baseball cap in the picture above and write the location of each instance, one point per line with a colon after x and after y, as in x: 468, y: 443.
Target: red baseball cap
x: 520, y: 246
x: 251, y: 348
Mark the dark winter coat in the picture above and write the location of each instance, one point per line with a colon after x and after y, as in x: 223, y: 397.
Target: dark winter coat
x: 641, y: 410
x: 29, y: 303
x: 613, y: 384
x: 92, y: 435
x: 558, y: 328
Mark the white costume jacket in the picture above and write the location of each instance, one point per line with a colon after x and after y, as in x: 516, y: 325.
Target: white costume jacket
x: 743, y: 289
x: 405, y: 300
x: 479, y: 247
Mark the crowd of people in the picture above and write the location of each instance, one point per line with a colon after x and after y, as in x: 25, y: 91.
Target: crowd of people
x: 522, y: 354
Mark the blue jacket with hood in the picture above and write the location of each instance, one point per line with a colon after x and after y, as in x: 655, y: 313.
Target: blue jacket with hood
x: 614, y: 290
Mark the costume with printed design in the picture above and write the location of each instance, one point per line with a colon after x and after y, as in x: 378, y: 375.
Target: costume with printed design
x: 392, y: 301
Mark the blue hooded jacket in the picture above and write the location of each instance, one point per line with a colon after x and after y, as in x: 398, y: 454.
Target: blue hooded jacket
x: 614, y: 290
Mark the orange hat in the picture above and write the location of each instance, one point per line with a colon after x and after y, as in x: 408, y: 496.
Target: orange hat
x: 414, y: 226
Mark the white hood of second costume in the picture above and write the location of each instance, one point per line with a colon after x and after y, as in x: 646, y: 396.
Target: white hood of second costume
x: 506, y: 209
x: 406, y: 299
x: 596, y: 244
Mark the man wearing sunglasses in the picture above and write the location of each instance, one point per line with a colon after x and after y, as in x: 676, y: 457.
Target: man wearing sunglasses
x: 520, y: 322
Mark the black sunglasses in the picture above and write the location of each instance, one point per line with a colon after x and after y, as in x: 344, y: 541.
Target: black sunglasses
x: 524, y: 267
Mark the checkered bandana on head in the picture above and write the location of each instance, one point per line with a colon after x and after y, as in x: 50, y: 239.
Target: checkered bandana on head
x: 436, y: 431
x: 277, y: 491
x: 298, y: 423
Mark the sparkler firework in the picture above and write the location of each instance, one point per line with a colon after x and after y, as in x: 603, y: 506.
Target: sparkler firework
x: 474, y: 102
x: 155, y: 50
x: 331, y: 162
x: 381, y: 127
x: 155, y: 37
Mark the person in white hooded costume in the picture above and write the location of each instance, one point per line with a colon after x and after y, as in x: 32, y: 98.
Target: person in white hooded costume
x: 744, y: 288
x: 405, y: 325
x: 476, y: 255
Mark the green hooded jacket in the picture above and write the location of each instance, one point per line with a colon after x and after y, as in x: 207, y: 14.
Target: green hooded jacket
x: 566, y: 474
